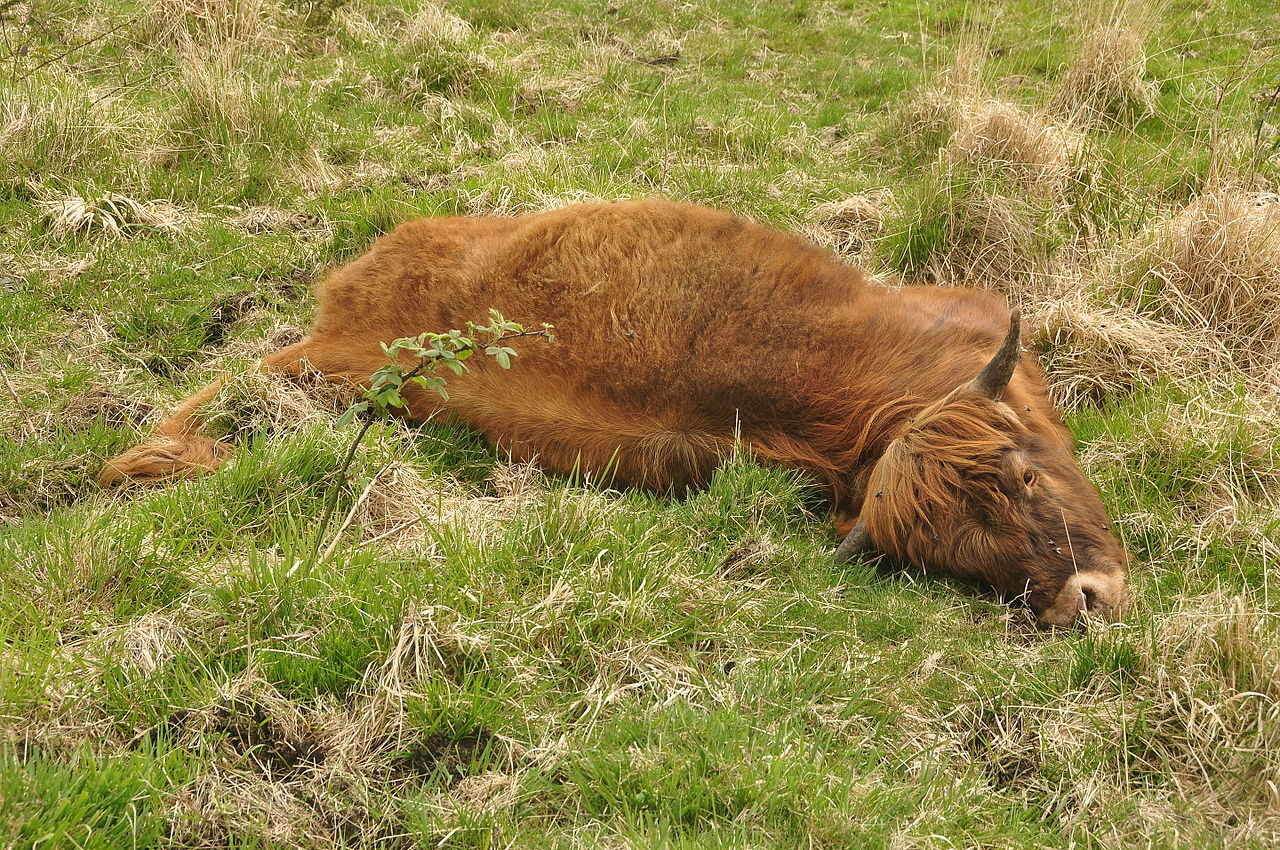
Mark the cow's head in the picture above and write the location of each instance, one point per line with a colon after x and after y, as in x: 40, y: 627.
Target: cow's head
x: 969, y: 490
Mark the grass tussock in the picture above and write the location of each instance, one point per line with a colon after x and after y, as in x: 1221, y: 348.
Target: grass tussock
x: 254, y: 401
x: 963, y: 230
x: 51, y: 127
x: 1190, y: 701
x: 1105, y: 77
x: 1209, y: 462
x: 997, y: 177
x: 108, y: 407
x: 848, y: 225
x: 400, y: 508
x: 433, y: 25
x: 225, y: 27
x: 225, y: 111
x: 1208, y: 678
x: 322, y: 774
x: 1215, y: 266
x: 111, y: 215
x: 998, y: 137
x: 1094, y: 354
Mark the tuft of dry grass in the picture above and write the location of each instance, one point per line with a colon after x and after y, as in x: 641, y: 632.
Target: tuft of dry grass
x: 266, y: 219
x: 224, y: 26
x: 999, y: 173
x: 433, y: 25
x: 395, y: 505
x: 399, y: 505
x: 217, y: 103
x: 1215, y: 266
x: 256, y: 400
x: 1105, y: 75
x: 1093, y: 354
x: 109, y: 214
x: 928, y: 115
x: 221, y: 109
x: 995, y: 137
x: 1209, y: 684
x: 846, y: 226
x: 1214, y: 461
x: 100, y: 404
x: 1191, y: 701
x: 54, y: 126
x: 993, y: 241
x: 303, y: 773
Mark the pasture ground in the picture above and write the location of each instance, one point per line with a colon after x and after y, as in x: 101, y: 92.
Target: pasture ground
x: 492, y: 659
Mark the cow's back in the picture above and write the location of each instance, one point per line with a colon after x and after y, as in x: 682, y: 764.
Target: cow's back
x: 672, y: 322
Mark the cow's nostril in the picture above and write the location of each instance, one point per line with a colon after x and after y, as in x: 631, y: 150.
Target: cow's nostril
x: 1089, y: 600
x: 1098, y: 599
x: 1087, y: 595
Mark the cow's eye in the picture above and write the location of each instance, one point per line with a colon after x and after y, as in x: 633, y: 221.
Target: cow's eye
x: 1029, y: 477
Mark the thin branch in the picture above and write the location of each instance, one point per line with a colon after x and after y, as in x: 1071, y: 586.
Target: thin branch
x: 351, y: 514
x: 332, y: 504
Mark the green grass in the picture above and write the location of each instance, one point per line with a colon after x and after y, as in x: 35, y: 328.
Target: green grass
x: 551, y: 662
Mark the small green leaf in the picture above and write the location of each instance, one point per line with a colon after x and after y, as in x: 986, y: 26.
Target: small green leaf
x: 350, y: 413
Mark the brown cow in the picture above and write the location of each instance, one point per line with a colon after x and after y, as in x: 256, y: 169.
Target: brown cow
x: 681, y: 327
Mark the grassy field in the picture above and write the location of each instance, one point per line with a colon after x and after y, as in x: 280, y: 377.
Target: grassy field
x: 489, y: 658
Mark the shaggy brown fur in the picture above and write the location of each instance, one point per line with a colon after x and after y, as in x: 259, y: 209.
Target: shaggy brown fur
x: 679, y: 327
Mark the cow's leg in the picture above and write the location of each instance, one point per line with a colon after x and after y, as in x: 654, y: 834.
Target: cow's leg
x: 568, y: 431
x: 176, y: 450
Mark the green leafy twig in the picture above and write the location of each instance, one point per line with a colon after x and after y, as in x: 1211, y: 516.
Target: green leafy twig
x: 434, y: 352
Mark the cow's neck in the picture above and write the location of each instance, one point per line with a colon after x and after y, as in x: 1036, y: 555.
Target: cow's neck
x: 902, y: 349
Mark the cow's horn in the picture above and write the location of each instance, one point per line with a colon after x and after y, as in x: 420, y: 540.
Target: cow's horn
x: 995, y: 376
x: 857, y: 542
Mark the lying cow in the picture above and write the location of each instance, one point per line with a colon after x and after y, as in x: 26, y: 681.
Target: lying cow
x: 681, y: 328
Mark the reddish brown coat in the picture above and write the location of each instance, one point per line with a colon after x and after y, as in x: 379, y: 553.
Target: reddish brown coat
x: 680, y: 327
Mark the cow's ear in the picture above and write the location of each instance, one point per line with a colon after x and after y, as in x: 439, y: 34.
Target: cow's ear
x: 856, y: 544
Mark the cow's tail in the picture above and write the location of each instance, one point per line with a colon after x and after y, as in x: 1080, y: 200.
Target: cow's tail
x: 176, y: 449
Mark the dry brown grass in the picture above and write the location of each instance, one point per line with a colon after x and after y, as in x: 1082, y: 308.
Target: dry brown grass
x: 106, y: 406
x: 54, y: 125
x: 993, y: 241
x: 225, y: 26
x: 1093, y: 353
x: 1208, y: 677
x: 433, y: 25
x: 265, y: 219
x: 111, y: 215
x: 994, y: 137
x: 997, y: 183
x: 303, y: 773
x: 848, y: 225
x: 1215, y: 266
x: 1105, y: 77
x: 1214, y: 457
x: 217, y: 102
x: 635, y: 669
x: 254, y: 400
x: 399, y: 507
x: 1192, y: 721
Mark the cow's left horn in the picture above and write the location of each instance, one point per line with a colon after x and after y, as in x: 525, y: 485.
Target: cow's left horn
x: 856, y: 542
x: 994, y: 377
